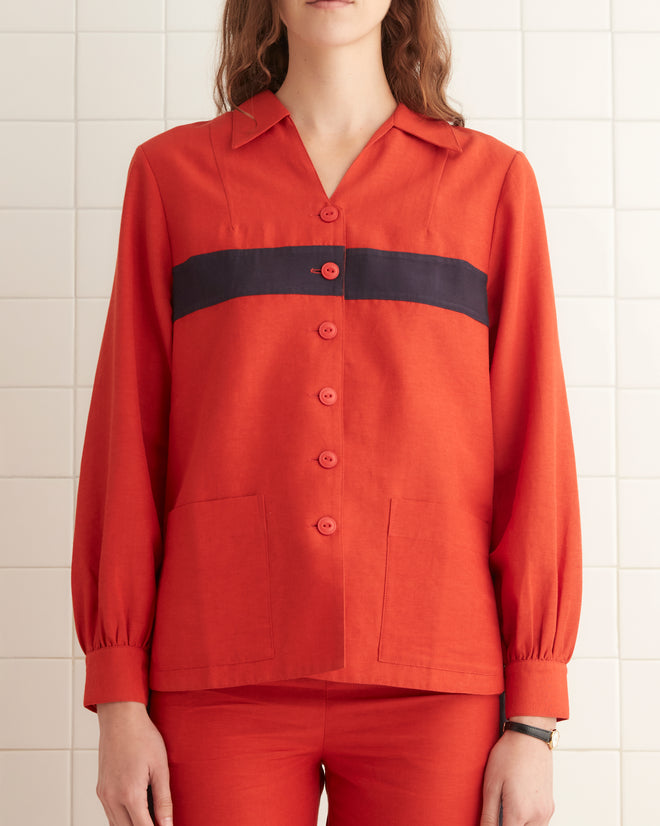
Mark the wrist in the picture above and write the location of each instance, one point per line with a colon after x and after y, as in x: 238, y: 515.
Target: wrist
x: 540, y: 722
x: 542, y: 728
x: 120, y: 708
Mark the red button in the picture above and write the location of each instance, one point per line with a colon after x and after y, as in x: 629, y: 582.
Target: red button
x: 330, y: 270
x: 326, y: 525
x: 328, y: 395
x: 328, y: 458
x: 327, y: 329
x: 329, y: 213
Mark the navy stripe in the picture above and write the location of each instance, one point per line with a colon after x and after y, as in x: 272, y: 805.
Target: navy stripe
x: 410, y: 276
x: 210, y: 278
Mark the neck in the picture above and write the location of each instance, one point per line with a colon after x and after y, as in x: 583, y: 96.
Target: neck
x: 335, y: 91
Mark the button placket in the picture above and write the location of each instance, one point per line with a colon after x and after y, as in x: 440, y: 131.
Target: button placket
x: 327, y: 330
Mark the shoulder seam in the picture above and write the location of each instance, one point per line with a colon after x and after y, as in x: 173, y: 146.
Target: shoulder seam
x: 497, y: 207
x: 140, y: 149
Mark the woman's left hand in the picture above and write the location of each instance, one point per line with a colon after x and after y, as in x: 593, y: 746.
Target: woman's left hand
x: 519, y: 772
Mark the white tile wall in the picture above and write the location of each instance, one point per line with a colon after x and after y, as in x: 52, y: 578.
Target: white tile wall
x: 574, y: 85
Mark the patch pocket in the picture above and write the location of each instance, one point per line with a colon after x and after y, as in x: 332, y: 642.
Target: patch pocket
x: 439, y: 608
x: 214, y: 602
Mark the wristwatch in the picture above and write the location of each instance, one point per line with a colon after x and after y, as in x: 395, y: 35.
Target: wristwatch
x: 549, y: 737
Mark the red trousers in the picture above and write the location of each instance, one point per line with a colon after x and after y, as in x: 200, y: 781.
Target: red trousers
x: 259, y: 755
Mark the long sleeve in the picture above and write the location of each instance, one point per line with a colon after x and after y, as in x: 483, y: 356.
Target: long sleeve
x: 536, y: 554
x: 117, y: 543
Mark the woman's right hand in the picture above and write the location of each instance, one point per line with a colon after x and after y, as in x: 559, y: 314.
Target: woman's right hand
x: 132, y: 756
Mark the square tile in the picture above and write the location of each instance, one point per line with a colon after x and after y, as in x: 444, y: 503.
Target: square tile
x: 36, y: 76
x: 507, y: 130
x: 36, y: 270
x: 97, y: 239
x: 638, y: 443
x: 641, y: 803
x: 638, y: 253
x: 579, y: 84
x: 598, y: 519
x: 35, y: 607
x: 592, y: 425
x: 35, y: 431
x: 640, y: 686
x: 597, y: 632
x: 586, y: 336
x: 639, y: 595
x: 190, y: 75
x: 36, y: 164
x: 39, y: 335
x: 639, y: 539
x: 38, y: 692
x: 19, y: 802
x: 479, y: 91
x: 637, y: 168
x: 120, y: 76
x: 639, y: 342
x: 593, y: 687
x: 573, y: 161
x: 120, y: 15
x: 194, y: 15
x: 635, y: 15
x: 587, y: 788
x: 105, y: 149
x: 581, y: 245
x: 481, y: 14
x: 31, y: 542
x: 565, y: 14
x: 91, y: 320
x: 636, y: 61
x: 39, y: 15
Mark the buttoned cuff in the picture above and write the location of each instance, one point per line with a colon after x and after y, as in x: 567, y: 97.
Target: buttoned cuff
x: 116, y: 672
x: 536, y: 688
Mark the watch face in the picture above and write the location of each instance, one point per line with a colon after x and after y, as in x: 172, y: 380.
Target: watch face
x: 554, y: 739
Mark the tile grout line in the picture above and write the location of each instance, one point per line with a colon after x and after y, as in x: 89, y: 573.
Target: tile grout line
x: 73, y: 392
x: 523, y: 87
x: 491, y: 30
x: 164, y: 64
x: 617, y: 502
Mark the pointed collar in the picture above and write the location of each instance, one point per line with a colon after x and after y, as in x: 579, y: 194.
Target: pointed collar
x: 267, y: 110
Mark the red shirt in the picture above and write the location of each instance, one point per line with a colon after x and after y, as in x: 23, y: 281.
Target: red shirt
x: 329, y: 436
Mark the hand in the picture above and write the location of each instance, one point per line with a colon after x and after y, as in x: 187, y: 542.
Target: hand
x: 132, y: 756
x: 519, y: 771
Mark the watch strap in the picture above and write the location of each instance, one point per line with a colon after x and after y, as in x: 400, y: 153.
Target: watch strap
x: 547, y: 735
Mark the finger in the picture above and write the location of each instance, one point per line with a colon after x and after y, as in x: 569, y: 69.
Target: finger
x: 114, y: 811
x: 117, y: 814
x: 513, y: 817
x: 137, y: 809
x: 160, y: 790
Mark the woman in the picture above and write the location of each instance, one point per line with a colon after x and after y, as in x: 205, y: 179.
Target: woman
x: 328, y: 508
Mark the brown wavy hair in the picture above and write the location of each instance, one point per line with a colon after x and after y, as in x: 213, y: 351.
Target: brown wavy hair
x: 254, y: 55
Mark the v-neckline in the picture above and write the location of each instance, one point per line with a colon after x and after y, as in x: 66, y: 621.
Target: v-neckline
x: 378, y: 132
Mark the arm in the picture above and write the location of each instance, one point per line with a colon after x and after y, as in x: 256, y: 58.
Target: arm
x: 117, y: 545
x: 535, y: 557
x: 535, y: 554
